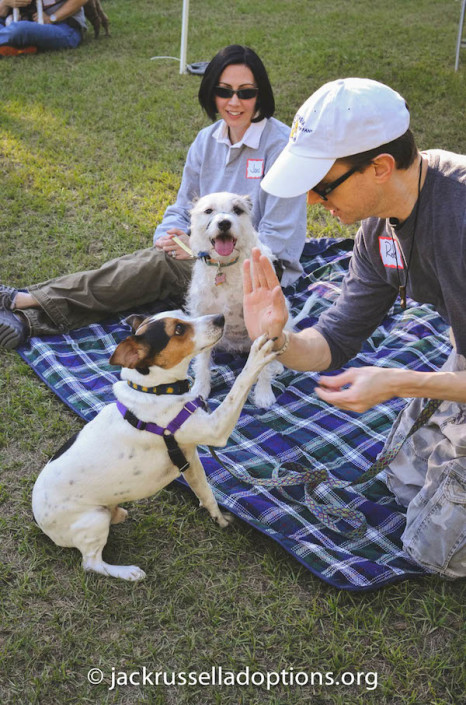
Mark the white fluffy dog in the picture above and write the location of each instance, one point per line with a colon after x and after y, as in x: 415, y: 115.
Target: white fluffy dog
x: 222, y: 237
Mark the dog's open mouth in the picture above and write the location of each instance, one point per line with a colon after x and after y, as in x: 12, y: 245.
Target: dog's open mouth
x: 224, y: 244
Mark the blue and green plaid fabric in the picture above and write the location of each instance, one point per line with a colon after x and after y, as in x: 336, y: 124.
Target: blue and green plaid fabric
x: 299, y: 428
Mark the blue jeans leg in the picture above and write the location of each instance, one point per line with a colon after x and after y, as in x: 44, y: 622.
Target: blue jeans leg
x: 42, y: 36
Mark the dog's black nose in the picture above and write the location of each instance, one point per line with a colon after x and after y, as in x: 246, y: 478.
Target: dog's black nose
x: 219, y: 320
x: 224, y: 225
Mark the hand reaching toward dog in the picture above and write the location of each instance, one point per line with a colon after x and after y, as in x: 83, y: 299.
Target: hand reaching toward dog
x: 265, y: 310
x: 357, y: 389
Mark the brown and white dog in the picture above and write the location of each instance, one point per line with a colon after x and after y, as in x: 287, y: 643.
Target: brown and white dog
x: 222, y: 237
x: 119, y: 456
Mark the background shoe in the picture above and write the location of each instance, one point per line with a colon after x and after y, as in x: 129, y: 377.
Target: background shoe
x: 6, y: 50
x: 13, y: 330
x: 7, y: 294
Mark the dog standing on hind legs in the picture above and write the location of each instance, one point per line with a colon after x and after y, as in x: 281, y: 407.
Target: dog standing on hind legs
x: 138, y: 445
x: 222, y: 237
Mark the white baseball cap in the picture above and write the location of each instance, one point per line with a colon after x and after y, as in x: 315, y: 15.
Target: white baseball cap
x: 342, y: 118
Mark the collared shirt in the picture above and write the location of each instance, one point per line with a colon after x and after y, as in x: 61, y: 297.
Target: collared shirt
x: 251, y: 137
x: 213, y: 164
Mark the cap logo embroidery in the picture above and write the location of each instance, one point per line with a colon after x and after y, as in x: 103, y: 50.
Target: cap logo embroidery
x: 299, y: 125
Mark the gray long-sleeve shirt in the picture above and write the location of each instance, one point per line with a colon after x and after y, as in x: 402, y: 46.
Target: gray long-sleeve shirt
x: 213, y: 165
x: 437, y: 266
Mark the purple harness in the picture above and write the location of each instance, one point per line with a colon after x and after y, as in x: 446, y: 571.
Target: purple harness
x: 174, y: 451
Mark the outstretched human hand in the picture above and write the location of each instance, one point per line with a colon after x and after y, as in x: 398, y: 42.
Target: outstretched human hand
x: 357, y: 389
x: 265, y: 309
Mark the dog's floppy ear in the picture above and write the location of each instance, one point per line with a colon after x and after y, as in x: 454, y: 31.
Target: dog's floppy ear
x: 134, y: 321
x: 247, y: 202
x: 129, y: 353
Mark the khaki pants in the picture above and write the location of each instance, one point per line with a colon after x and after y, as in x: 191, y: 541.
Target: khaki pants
x: 137, y: 279
x: 428, y: 476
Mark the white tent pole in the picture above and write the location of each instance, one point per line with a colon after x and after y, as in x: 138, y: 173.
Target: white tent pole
x: 184, y: 36
x: 184, y: 39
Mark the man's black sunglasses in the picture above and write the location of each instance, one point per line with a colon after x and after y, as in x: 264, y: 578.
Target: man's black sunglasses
x: 242, y: 93
x: 323, y: 191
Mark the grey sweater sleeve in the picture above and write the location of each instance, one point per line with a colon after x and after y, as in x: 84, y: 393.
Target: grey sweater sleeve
x: 177, y: 215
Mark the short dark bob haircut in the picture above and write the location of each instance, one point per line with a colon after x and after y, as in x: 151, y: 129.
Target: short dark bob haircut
x: 237, y: 54
x: 403, y: 149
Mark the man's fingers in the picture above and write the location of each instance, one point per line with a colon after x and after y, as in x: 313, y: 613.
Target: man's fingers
x: 335, y: 381
x: 269, y: 273
x: 247, y: 283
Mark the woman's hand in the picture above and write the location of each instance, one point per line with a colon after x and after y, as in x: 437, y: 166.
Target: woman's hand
x: 170, y: 247
x: 265, y: 309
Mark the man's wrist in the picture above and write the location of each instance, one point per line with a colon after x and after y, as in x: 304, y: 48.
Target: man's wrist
x: 282, y: 343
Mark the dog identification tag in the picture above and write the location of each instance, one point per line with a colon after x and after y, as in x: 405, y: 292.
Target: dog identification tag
x: 220, y: 278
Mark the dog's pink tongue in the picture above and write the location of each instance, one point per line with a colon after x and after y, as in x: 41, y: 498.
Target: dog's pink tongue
x: 224, y: 247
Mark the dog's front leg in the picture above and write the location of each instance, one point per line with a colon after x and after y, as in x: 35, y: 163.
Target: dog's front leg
x: 263, y: 394
x: 216, y: 428
x: 196, y: 479
x: 201, y: 368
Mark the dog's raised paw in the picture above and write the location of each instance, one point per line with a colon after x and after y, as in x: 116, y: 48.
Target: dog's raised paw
x: 262, y: 351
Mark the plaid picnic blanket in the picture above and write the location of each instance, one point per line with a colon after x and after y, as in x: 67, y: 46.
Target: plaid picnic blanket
x: 298, y: 428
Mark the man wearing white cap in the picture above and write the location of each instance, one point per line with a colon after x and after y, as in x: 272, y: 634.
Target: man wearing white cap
x: 351, y: 148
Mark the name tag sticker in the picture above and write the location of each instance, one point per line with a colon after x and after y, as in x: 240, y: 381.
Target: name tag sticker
x: 390, y: 253
x: 254, y: 168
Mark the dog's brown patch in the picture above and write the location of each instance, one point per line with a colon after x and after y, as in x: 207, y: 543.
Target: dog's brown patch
x: 180, y: 344
x: 164, y: 343
x: 130, y: 353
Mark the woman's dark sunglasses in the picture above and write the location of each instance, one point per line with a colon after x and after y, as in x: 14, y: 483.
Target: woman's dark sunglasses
x: 242, y: 93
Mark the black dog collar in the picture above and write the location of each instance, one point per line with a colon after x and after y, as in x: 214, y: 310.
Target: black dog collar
x: 181, y: 386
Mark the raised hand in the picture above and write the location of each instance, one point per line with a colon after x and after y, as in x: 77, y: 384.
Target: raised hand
x: 265, y: 309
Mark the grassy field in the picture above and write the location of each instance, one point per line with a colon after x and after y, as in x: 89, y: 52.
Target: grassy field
x: 92, y: 144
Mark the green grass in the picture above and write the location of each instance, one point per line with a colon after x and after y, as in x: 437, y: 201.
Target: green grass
x: 92, y: 145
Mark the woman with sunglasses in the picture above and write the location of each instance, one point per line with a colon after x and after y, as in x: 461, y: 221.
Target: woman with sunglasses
x: 232, y: 155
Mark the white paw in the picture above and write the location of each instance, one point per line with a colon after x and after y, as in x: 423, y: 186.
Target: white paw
x: 261, y: 353
x: 224, y: 519
x: 119, y: 515
x: 129, y: 572
x: 263, y: 396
